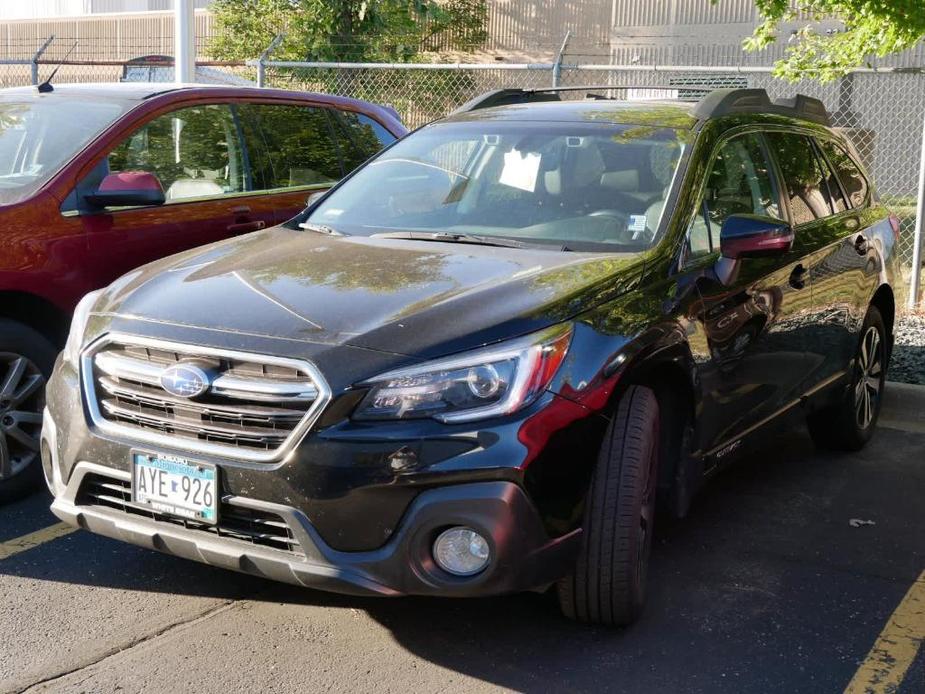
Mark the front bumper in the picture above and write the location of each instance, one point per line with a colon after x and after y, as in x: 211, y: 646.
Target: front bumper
x: 523, y: 556
x: 363, y: 503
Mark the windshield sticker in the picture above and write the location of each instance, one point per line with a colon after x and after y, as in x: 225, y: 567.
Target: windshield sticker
x: 520, y: 170
x: 637, y: 223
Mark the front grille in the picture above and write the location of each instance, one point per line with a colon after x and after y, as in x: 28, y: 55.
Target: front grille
x: 252, y: 407
x: 236, y: 522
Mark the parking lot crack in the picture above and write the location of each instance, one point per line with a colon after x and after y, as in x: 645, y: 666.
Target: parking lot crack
x: 47, y: 683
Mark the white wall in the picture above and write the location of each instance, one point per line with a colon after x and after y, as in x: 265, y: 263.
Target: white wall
x: 33, y: 9
x: 44, y: 9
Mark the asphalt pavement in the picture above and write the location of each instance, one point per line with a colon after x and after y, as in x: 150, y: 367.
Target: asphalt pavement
x: 766, y: 587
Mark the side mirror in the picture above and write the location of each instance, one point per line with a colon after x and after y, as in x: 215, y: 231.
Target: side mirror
x: 127, y: 188
x: 752, y: 236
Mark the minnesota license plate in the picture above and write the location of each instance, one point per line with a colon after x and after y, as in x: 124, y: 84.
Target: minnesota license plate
x: 175, y: 486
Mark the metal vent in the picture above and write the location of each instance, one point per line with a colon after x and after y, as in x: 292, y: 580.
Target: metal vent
x: 250, y: 407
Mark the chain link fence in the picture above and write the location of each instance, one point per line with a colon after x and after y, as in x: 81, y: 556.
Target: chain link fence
x: 19, y: 73
x: 880, y: 111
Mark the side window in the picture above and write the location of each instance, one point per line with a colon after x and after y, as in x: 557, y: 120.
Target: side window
x: 739, y: 182
x: 290, y: 146
x: 362, y: 137
x: 195, y: 152
x: 804, y: 176
x: 848, y: 173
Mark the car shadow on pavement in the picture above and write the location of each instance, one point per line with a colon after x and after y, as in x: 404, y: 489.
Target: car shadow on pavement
x: 765, y: 586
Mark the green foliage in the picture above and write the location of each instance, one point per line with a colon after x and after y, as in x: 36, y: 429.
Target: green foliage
x: 347, y: 30
x: 871, y: 28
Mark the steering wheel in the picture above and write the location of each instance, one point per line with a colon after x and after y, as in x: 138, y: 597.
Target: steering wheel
x: 619, y: 215
x: 622, y: 233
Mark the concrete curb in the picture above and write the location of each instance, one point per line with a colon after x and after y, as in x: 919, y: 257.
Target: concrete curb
x: 903, y: 407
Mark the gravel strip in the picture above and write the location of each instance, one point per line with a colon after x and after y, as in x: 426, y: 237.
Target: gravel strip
x: 908, y: 362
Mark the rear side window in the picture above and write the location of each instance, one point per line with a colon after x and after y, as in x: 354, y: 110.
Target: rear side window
x: 361, y: 137
x: 848, y: 173
x: 290, y: 146
x: 805, y: 177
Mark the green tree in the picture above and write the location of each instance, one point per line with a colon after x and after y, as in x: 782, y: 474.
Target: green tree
x: 347, y: 30
x: 870, y: 28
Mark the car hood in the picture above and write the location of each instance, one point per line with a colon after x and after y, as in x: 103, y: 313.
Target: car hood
x: 417, y: 298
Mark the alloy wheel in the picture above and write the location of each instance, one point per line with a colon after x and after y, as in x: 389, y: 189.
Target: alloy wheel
x: 869, y: 378
x: 22, y: 399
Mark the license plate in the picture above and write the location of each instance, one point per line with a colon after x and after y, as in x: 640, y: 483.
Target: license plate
x: 175, y: 486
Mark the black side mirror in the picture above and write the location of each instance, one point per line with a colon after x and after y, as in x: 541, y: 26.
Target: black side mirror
x: 127, y: 188
x: 750, y: 236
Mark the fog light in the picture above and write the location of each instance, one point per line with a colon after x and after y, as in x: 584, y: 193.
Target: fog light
x: 461, y: 551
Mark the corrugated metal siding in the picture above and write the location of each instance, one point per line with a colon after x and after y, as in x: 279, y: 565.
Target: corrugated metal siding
x: 101, y: 37
x: 697, y: 32
x: 540, y: 25
x: 636, y: 13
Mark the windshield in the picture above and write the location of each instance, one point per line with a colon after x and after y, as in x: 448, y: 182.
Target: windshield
x: 38, y: 136
x: 571, y: 185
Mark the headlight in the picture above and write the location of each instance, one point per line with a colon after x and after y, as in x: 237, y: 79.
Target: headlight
x: 487, y: 382
x: 75, y: 337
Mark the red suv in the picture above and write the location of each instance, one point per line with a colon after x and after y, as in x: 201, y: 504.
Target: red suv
x: 98, y: 179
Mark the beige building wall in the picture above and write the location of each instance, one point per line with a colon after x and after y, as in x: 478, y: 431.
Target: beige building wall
x: 100, y: 36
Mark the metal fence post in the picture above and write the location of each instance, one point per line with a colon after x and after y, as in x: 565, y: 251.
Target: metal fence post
x: 35, y: 58
x: 262, y: 59
x: 917, y: 235
x: 557, y: 66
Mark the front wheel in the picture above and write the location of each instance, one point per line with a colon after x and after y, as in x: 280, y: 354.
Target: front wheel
x: 26, y: 359
x: 848, y: 425
x: 608, y: 583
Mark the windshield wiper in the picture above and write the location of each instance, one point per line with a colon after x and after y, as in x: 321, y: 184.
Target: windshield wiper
x: 452, y: 237
x: 319, y: 228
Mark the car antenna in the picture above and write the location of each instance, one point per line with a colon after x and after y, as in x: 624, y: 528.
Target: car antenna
x: 45, y: 86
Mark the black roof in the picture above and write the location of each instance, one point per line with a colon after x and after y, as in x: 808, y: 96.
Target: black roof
x: 548, y: 104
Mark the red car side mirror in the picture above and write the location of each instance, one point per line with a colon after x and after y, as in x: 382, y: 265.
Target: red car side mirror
x: 127, y: 188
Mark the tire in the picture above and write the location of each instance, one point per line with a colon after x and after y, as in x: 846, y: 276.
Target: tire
x: 849, y: 424
x: 608, y: 584
x: 26, y: 360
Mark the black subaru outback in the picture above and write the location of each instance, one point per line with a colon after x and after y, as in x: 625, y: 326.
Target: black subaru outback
x: 475, y: 365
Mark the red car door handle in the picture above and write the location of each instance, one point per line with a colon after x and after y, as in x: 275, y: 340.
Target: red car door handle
x: 244, y: 227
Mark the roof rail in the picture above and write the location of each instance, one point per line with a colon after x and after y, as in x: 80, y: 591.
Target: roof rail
x: 728, y: 102
x: 719, y: 102
x: 503, y: 97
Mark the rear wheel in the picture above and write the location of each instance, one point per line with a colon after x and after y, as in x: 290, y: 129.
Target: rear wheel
x: 849, y: 425
x: 26, y: 359
x: 608, y: 583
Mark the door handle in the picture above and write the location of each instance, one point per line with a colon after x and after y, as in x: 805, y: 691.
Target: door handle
x: 798, y: 277
x: 860, y: 244
x: 244, y: 227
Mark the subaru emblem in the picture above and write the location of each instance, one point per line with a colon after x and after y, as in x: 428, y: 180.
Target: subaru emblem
x: 185, y: 380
